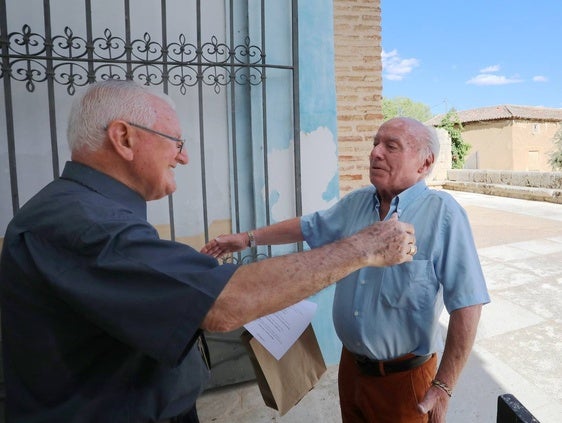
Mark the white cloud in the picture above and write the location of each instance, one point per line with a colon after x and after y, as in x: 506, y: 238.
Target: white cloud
x: 540, y: 78
x: 489, y: 69
x: 491, y: 79
x: 395, y: 68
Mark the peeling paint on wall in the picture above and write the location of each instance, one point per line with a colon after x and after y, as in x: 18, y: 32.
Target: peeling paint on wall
x: 319, y: 159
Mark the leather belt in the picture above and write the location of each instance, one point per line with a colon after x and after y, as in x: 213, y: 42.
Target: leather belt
x: 384, y: 367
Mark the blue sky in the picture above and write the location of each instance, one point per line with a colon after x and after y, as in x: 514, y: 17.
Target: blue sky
x: 473, y: 53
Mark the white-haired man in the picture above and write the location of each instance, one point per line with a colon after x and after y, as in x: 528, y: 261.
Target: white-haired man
x: 387, y: 319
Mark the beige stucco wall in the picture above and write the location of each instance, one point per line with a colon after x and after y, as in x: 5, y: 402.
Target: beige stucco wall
x: 519, y: 145
x: 532, y: 144
x: 358, y: 66
x: 490, y: 143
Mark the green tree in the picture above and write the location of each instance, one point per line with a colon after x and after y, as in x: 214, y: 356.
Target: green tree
x: 459, y: 149
x: 403, y: 106
x: 555, y: 159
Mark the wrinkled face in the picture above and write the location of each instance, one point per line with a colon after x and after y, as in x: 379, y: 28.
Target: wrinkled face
x: 156, y: 156
x: 397, y: 160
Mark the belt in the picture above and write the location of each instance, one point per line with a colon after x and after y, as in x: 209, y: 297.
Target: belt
x: 384, y: 367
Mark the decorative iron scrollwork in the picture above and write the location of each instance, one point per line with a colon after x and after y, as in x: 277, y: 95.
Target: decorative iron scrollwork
x: 74, y: 61
x: 239, y: 259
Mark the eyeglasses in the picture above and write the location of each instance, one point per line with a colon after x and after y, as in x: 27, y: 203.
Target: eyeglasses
x: 180, y: 141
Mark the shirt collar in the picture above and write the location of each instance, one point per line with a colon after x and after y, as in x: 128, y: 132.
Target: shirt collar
x: 404, y: 199
x: 105, y: 185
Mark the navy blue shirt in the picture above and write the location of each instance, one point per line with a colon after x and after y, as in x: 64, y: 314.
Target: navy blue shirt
x: 100, y: 315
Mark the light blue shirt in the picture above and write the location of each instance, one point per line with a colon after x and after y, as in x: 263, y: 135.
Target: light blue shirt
x: 383, y: 313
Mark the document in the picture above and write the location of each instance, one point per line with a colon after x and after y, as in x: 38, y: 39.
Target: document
x: 278, y: 331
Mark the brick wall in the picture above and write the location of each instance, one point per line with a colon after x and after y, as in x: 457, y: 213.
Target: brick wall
x: 357, y: 38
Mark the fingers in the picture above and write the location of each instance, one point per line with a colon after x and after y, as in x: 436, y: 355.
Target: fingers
x: 412, y: 249
x: 224, y: 244
x: 206, y: 248
x: 391, y: 242
x: 212, y: 248
x: 408, y: 228
x: 407, y: 247
x: 410, y: 244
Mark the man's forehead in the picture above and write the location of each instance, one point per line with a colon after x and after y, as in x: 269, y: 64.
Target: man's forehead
x: 391, y: 131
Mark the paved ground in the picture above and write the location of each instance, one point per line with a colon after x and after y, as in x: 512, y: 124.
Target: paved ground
x: 518, y: 348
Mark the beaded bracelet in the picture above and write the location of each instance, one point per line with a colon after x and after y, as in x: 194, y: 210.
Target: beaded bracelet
x: 443, y: 386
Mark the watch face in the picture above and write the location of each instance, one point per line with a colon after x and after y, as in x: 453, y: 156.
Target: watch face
x: 252, y: 239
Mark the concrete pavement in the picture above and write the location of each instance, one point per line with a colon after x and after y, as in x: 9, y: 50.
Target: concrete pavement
x: 518, y: 349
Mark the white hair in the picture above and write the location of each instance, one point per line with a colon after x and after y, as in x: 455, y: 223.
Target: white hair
x: 433, y: 142
x: 430, y: 145
x: 105, y: 101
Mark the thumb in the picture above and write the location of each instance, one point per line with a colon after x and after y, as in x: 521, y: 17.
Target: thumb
x: 394, y: 216
x: 426, y: 405
x: 422, y: 408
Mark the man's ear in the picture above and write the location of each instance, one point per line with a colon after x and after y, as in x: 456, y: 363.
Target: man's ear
x: 120, y: 139
x: 427, y: 163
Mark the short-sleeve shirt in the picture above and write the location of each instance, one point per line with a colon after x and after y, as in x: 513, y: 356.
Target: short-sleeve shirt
x: 383, y: 313
x: 100, y: 315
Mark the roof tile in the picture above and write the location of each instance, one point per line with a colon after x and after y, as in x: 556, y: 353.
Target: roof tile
x: 504, y: 111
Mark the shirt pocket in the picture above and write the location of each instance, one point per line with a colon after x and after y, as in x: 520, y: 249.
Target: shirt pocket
x: 411, y: 285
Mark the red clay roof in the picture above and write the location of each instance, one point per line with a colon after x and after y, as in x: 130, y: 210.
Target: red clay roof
x: 504, y: 111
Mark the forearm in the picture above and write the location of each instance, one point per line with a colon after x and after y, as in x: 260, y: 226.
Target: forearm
x: 460, y: 338
x: 261, y: 288
x: 285, y: 232
x: 264, y: 287
x: 461, y: 333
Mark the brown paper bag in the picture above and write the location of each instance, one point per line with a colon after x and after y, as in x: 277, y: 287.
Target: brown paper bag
x: 285, y: 382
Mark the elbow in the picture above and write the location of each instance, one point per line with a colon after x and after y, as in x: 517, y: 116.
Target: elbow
x: 228, y: 312
x: 216, y: 321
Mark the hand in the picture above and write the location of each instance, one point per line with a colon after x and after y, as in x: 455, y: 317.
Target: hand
x: 387, y: 243
x: 224, y: 244
x: 435, y: 403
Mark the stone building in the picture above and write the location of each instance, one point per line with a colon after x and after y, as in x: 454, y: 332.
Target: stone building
x: 508, y: 137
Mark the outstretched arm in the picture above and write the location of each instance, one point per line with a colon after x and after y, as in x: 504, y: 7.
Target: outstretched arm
x: 285, y: 232
x: 270, y: 285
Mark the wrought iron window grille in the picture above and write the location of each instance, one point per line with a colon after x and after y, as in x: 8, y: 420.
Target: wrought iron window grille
x: 74, y: 61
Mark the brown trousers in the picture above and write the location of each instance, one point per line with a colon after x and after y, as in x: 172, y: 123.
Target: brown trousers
x: 385, y: 399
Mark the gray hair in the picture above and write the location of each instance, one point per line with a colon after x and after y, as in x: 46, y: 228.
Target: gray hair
x: 433, y: 144
x: 105, y: 101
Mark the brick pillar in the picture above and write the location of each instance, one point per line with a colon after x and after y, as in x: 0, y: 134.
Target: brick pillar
x: 357, y: 39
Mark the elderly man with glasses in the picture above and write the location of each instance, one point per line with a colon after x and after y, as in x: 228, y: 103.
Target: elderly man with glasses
x: 102, y: 319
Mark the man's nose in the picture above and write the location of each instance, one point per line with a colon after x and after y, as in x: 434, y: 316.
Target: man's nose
x: 182, y: 157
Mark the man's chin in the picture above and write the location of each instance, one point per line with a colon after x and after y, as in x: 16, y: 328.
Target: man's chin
x: 375, y: 175
x: 171, y: 188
